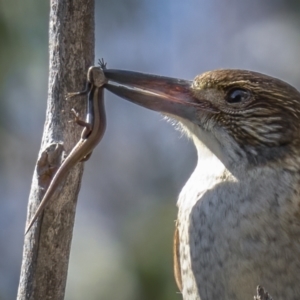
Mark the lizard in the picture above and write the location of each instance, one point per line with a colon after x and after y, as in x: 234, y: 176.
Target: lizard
x: 94, y: 128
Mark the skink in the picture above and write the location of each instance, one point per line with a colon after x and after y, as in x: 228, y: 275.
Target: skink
x: 93, y: 131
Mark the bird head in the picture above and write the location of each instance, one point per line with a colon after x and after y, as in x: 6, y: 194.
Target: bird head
x: 243, y: 117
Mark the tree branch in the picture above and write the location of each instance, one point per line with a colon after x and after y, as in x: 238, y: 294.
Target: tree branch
x: 47, y: 245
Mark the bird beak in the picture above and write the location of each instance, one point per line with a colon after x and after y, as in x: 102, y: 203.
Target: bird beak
x: 164, y: 94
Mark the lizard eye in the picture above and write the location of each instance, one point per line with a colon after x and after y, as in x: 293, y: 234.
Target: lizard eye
x: 237, y: 95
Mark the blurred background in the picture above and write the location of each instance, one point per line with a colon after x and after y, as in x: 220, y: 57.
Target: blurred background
x: 122, y: 245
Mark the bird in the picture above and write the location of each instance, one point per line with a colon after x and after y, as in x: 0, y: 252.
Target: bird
x: 238, y: 222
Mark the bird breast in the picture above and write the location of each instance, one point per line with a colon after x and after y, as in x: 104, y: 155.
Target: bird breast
x: 235, y: 234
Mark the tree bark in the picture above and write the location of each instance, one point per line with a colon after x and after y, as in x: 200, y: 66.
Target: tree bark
x: 262, y: 294
x: 47, y: 245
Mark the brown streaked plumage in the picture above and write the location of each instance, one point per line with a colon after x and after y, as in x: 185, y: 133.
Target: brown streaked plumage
x: 273, y: 106
x: 238, y: 221
x: 268, y: 119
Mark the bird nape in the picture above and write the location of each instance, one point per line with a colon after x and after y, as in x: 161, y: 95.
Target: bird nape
x: 239, y: 213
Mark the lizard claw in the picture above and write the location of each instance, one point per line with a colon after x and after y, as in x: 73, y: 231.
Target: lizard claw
x: 102, y: 64
x: 76, y: 116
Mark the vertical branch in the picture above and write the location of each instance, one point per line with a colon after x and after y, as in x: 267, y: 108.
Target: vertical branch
x: 47, y: 245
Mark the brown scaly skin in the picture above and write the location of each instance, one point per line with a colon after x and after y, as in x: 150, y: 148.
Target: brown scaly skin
x: 239, y: 213
x: 93, y: 131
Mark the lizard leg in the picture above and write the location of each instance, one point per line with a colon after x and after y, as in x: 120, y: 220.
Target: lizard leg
x: 81, y: 122
x: 87, y: 130
x: 84, y: 92
x: 87, y: 157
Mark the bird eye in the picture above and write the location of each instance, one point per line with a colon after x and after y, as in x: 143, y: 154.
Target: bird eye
x: 237, y: 96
